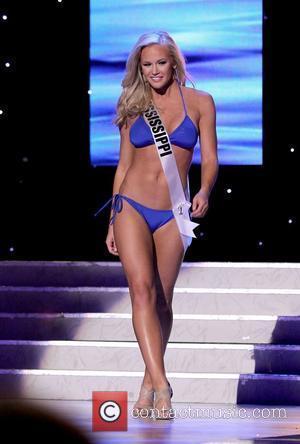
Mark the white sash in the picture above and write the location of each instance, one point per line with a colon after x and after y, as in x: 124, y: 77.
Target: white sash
x: 180, y: 200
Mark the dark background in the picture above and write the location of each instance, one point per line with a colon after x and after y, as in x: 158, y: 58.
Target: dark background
x: 49, y: 191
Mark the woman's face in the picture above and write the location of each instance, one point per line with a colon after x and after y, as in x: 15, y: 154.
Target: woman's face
x: 156, y: 65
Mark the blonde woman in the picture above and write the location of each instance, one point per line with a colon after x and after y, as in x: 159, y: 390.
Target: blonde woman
x: 143, y: 231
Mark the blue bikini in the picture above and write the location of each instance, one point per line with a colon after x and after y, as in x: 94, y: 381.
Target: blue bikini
x: 153, y: 218
x: 184, y: 136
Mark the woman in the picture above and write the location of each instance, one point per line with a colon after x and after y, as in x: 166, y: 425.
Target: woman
x: 143, y: 231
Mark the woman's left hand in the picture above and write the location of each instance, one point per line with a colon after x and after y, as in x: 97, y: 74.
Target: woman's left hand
x: 199, y: 204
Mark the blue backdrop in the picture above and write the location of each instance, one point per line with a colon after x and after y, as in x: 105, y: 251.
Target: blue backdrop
x: 222, y: 42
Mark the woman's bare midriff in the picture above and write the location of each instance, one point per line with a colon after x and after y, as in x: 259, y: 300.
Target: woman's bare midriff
x: 145, y: 180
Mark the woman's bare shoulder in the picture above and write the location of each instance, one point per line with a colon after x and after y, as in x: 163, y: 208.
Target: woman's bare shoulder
x: 202, y: 100
x: 197, y: 93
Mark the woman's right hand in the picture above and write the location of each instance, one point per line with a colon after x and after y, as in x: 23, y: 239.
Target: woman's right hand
x: 110, y: 241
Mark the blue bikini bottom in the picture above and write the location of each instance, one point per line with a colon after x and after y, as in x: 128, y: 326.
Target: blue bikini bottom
x: 154, y: 218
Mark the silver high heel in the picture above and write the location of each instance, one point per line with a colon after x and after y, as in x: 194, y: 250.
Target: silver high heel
x: 144, y: 395
x: 171, y: 390
x: 164, y: 412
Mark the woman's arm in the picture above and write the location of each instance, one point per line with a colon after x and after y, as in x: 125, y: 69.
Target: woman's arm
x: 208, y: 143
x: 209, y: 156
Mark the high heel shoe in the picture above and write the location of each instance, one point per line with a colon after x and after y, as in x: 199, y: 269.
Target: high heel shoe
x: 144, y: 395
x: 171, y: 390
x: 164, y: 412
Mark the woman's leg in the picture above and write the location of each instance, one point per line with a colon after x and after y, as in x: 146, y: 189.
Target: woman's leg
x: 168, y: 257
x: 136, y: 251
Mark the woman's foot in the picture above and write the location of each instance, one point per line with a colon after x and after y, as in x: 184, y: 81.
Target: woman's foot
x: 162, y: 404
x: 145, y: 400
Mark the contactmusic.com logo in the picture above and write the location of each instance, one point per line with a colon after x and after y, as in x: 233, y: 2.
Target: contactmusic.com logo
x: 110, y: 411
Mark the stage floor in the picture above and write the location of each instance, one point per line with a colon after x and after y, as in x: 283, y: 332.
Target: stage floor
x: 248, y: 423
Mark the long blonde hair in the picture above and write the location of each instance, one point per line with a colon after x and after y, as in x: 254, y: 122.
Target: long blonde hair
x: 136, y: 95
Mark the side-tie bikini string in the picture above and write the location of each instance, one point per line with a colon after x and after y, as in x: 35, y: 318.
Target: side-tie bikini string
x: 117, y: 205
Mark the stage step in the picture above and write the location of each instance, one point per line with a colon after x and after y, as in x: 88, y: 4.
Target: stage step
x: 192, y: 274
x: 179, y: 357
x: 244, y: 301
x: 242, y: 329
x: 66, y: 330
x: 231, y: 388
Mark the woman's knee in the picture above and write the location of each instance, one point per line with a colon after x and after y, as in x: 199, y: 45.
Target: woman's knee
x: 142, y: 291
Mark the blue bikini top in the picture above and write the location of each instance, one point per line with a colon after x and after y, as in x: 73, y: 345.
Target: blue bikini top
x: 184, y: 136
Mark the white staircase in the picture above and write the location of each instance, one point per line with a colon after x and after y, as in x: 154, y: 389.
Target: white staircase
x: 66, y: 330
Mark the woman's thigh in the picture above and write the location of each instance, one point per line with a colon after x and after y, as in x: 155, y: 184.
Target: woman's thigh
x: 168, y: 256
x: 135, y: 247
